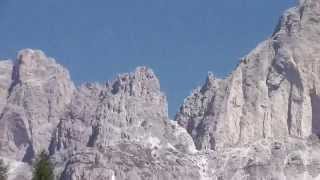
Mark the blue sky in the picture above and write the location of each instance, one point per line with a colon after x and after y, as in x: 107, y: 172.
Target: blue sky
x: 181, y: 40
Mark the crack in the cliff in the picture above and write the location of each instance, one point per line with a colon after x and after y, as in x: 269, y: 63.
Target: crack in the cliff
x: 15, y: 77
x: 264, y: 125
x: 289, y: 115
x: 315, y: 104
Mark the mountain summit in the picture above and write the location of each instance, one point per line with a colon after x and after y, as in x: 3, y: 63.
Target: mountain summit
x: 273, y: 93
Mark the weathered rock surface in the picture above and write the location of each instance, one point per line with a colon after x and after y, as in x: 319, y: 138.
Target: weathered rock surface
x: 131, y: 108
x: 18, y: 170
x: 39, y: 91
x: 5, y: 81
x: 130, y: 161
x: 267, y: 159
x: 42, y: 110
x: 261, y: 122
x: 273, y: 93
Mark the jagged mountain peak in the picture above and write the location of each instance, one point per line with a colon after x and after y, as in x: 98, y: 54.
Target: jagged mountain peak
x: 30, y: 56
x: 274, y: 78
x: 35, y: 65
x: 210, y: 82
x: 141, y: 82
x: 261, y: 122
x: 144, y: 71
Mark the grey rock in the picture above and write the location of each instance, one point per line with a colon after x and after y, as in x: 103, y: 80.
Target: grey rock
x: 198, y: 112
x: 44, y: 111
x: 5, y: 81
x: 273, y: 93
x: 17, y: 170
x: 130, y: 161
x: 267, y: 159
x: 130, y: 108
x: 260, y: 122
x: 38, y: 95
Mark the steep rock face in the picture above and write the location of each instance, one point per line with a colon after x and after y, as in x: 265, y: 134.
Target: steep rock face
x: 75, y: 128
x: 38, y: 94
x: 5, y: 81
x: 42, y: 110
x: 198, y: 110
x: 252, y: 125
x: 121, y: 130
x: 130, y: 108
x: 272, y: 93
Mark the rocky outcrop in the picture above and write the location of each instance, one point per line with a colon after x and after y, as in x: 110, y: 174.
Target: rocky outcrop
x: 119, y: 130
x: 42, y: 110
x: 18, y: 170
x: 198, y: 112
x: 124, y: 109
x: 130, y: 108
x: 130, y: 161
x: 5, y: 81
x: 38, y: 93
x: 273, y: 93
x: 267, y: 159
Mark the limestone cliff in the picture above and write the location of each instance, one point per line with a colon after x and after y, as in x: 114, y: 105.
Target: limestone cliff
x: 262, y: 122
x: 273, y: 93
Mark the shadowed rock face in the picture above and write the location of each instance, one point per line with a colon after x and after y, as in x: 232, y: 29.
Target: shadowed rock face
x: 261, y: 122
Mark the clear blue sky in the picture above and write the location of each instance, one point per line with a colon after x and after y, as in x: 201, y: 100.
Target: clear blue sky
x: 181, y: 40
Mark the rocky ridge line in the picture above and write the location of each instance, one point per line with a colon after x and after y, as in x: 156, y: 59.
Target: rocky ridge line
x: 261, y: 122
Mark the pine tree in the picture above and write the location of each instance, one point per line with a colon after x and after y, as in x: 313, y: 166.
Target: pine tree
x: 3, y: 171
x: 43, y: 167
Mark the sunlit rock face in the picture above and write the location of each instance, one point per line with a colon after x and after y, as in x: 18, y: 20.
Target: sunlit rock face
x: 131, y: 161
x: 5, y: 81
x: 130, y: 108
x: 125, y: 120
x: 42, y: 110
x: 261, y: 122
x: 273, y: 93
x: 125, y: 109
x: 38, y: 93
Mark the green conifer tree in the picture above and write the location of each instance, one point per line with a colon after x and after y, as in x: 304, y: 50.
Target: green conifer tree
x: 3, y: 171
x: 43, y: 167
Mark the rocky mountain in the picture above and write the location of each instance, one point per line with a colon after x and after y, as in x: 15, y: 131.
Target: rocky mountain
x: 273, y: 93
x: 35, y: 94
x: 259, y: 123
x: 42, y: 110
